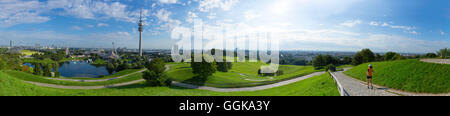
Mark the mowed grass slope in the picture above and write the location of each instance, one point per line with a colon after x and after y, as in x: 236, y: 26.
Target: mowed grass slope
x: 408, y: 75
x: 241, y: 75
x: 35, y: 78
x: 321, y: 85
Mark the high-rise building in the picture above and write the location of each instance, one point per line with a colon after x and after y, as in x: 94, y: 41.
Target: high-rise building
x: 11, y: 43
x: 141, y: 28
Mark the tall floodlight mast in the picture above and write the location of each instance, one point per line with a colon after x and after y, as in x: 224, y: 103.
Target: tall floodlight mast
x: 141, y: 28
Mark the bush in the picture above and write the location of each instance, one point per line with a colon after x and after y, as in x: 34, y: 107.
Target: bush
x: 154, y: 79
x: 37, y: 69
x: 364, y: 56
x: 155, y: 76
x: 430, y: 55
x: 204, y: 68
x: 3, y: 65
x: 390, y: 56
x: 26, y: 69
x: 223, y: 66
x: 331, y: 68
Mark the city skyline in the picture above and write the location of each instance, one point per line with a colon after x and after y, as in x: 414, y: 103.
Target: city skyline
x: 320, y: 25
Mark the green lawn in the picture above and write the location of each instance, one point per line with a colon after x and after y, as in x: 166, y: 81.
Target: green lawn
x: 321, y: 85
x: 241, y: 75
x: 48, y: 60
x: 118, y: 74
x: 408, y: 75
x: 35, y: 78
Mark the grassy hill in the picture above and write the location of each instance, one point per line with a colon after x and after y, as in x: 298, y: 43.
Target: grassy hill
x: 243, y: 74
x: 408, y: 75
x: 321, y: 85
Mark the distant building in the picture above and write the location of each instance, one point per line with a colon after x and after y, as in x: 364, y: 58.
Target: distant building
x: 11, y: 43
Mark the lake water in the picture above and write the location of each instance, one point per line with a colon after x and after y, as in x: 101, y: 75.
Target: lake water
x: 80, y: 69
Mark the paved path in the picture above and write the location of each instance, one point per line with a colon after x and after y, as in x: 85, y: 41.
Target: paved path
x: 247, y: 88
x: 354, y: 87
x: 185, y: 85
x: 439, y: 61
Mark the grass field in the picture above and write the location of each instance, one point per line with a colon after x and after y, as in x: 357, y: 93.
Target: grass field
x: 241, y: 75
x: 35, y: 78
x: 408, y: 75
x: 29, y: 52
x: 118, y: 74
x: 321, y: 85
x: 48, y: 60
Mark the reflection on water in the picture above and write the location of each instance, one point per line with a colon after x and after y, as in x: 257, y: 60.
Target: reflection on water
x: 81, y: 69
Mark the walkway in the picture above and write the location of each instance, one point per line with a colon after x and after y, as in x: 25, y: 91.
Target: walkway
x: 185, y: 85
x: 439, y: 61
x: 354, y: 87
x: 262, y: 87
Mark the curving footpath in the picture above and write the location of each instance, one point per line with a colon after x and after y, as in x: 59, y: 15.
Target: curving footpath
x: 185, y: 85
x: 354, y: 87
x: 262, y: 87
x: 438, y: 61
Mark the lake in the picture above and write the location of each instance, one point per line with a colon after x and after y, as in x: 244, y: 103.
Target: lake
x: 80, y: 69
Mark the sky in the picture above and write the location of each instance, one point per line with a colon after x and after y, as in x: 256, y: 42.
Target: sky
x: 407, y: 26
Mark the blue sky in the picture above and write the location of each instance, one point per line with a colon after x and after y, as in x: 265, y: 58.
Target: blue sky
x: 328, y: 25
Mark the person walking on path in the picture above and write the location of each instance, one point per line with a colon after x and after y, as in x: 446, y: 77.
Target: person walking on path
x: 369, y: 77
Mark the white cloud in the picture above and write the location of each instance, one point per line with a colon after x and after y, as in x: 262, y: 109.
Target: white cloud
x: 373, y: 23
x: 351, y: 23
x: 207, y: 5
x: 406, y: 29
x: 442, y: 32
x: 168, y: 1
x: 102, y: 25
x: 13, y: 12
x: 165, y: 22
x: 76, y: 28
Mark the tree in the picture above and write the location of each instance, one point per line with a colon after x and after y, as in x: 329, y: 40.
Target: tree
x: 156, y: 65
x: 318, y: 62
x: 379, y: 57
x: 346, y: 60
x: 389, y: 56
x: 155, y: 74
x: 430, y: 55
x: 3, y: 65
x: 204, y: 68
x: 56, y: 70
x: 48, y: 70
x: 364, y: 56
x: 444, y: 53
x: 37, y: 69
x: 398, y: 57
x: 331, y: 68
x: 26, y: 69
x: 154, y: 79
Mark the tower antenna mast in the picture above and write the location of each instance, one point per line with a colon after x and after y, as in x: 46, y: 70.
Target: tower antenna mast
x: 141, y: 29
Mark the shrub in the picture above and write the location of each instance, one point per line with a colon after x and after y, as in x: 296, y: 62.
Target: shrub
x: 390, y: 56
x: 364, y: 56
x: 155, y: 76
x: 331, y: 68
x: 154, y: 79
x: 26, y: 69
x: 204, y: 68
